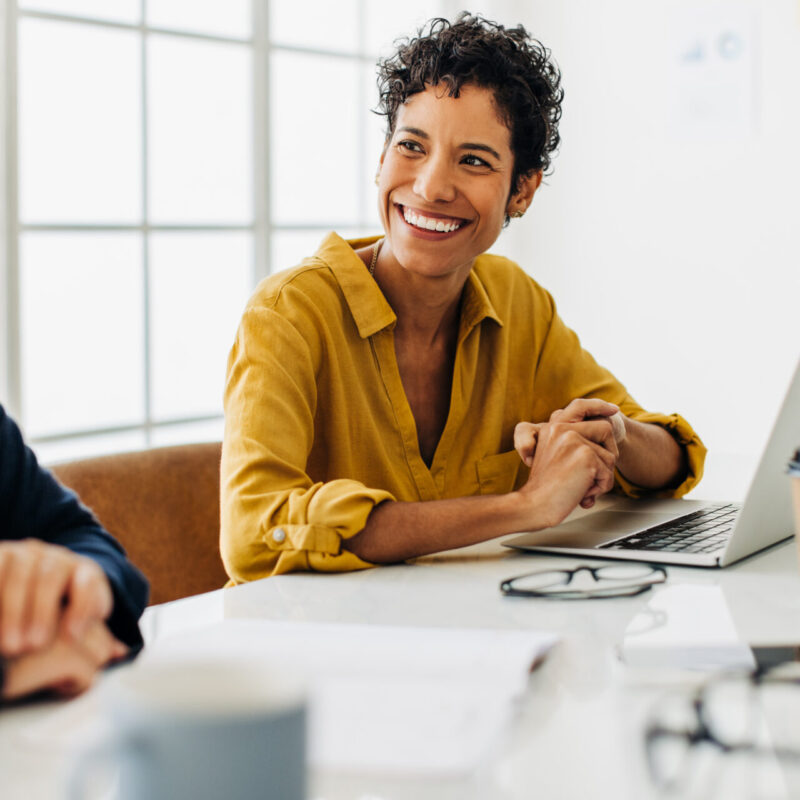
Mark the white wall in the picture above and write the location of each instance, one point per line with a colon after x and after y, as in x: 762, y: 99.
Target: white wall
x: 669, y: 231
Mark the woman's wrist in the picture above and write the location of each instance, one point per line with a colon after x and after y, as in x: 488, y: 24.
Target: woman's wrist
x: 528, y: 510
x: 650, y: 457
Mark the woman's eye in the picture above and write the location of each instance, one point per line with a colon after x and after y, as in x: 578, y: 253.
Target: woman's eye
x: 474, y: 161
x: 409, y: 145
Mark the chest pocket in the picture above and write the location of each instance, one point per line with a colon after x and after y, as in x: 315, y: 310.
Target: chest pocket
x: 501, y: 473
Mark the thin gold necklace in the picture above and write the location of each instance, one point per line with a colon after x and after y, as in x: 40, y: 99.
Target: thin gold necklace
x: 376, y: 248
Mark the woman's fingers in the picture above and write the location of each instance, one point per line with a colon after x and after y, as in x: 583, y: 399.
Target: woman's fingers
x: 570, y: 468
x: 525, y: 436
x: 618, y: 425
x: 604, y: 479
x: 583, y: 408
x: 597, y: 431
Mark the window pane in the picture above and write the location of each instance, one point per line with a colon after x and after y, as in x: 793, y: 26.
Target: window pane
x: 113, y: 10
x: 289, y: 248
x: 315, y: 147
x: 315, y: 23
x: 231, y: 18
x: 199, y: 284
x: 79, y: 123
x: 200, y: 124
x: 210, y: 431
x: 89, y: 446
x: 81, y: 331
x: 386, y: 22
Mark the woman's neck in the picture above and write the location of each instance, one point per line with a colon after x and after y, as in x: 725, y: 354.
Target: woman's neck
x: 427, y: 307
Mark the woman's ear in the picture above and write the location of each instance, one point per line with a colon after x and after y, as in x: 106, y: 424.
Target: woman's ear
x: 523, y: 197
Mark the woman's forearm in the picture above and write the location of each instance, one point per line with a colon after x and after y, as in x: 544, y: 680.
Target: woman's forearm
x: 650, y: 457
x: 399, y: 531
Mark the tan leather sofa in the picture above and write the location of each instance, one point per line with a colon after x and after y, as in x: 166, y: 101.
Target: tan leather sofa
x: 162, y: 505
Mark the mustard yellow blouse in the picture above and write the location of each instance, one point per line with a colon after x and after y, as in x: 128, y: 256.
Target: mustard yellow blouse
x: 318, y: 429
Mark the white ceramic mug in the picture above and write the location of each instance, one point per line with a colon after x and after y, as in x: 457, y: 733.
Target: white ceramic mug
x: 202, y: 730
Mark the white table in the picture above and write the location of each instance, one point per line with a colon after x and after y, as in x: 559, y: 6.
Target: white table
x: 579, y: 732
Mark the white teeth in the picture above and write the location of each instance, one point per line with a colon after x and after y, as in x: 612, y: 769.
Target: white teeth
x: 428, y: 224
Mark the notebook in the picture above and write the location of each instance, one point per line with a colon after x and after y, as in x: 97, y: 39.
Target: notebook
x: 690, y: 532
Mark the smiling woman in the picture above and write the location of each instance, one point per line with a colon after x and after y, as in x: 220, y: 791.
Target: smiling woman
x: 408, y: 393
x: 446, y: 174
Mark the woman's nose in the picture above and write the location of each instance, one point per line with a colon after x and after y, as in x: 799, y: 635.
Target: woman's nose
x: 434, y: 181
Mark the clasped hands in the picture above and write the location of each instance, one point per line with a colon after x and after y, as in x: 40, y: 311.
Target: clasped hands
x: 53, y: 607
x: 571, y: 456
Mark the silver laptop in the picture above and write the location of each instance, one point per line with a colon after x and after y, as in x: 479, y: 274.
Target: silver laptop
x: 691, y: 532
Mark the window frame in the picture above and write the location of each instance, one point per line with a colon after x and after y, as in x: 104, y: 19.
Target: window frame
x: 262, y: 226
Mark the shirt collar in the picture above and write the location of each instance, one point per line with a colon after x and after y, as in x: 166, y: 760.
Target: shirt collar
x: 476, y: 306
x: 366, y: 302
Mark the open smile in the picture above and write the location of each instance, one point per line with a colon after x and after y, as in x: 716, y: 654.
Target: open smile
x: 430, y: 223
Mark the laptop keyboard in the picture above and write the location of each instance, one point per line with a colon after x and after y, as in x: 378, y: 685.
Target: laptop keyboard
x: 703, y: 531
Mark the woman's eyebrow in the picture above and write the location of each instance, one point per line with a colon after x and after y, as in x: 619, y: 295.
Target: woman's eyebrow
x: 416, y: 131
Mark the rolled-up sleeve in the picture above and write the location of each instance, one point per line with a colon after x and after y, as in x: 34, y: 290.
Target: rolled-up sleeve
x: 685, y: 436
x: 274, y: 517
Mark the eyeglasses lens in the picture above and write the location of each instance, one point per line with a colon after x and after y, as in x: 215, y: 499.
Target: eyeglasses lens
x: 765, y: 715
x: 541, y: 581
x: 626, y: 573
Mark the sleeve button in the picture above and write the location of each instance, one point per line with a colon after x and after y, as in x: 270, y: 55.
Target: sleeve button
x: 278, y: 535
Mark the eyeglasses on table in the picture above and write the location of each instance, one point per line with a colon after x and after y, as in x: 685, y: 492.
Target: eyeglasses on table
x: 750, y: 719
x: 585, y: 582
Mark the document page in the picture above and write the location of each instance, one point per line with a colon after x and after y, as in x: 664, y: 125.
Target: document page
x: 385, y: 698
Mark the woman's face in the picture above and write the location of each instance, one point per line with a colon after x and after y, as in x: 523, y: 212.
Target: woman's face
x: 444, y: 180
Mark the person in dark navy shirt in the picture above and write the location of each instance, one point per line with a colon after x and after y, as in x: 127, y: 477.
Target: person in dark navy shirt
x: 70, y: 600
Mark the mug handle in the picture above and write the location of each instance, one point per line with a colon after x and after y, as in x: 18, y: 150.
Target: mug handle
x: 115, y: 751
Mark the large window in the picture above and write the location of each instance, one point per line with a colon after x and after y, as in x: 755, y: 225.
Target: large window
x: 163, y: 156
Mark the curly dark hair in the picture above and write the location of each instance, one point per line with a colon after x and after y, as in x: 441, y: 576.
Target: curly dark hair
x: 474, y: 51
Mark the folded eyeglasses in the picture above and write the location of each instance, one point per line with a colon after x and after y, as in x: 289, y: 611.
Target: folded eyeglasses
x: 585, y: 582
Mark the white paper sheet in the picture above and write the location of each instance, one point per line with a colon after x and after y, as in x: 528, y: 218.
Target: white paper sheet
x: 385, y: 698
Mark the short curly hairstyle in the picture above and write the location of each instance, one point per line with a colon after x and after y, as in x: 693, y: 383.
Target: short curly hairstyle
x: 474, y: 51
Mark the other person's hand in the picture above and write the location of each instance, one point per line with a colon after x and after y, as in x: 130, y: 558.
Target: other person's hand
x: 67, y: 665
x: 47, y: 590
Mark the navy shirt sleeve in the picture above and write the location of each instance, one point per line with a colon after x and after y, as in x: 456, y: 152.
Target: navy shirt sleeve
x: 34, y: 505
